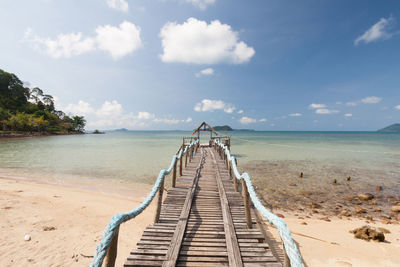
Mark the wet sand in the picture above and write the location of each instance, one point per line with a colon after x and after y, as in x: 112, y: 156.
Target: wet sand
x: 326, y: 190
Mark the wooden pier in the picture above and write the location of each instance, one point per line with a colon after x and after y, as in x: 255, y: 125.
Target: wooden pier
x: 203, y: 220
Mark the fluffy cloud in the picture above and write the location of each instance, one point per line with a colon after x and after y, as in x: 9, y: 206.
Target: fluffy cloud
x: 240, y: 111
x: 397, y: 107
x: 120, y: 5
x: 197, y: 42
x: 326, y: 111
x: 379, y: 31
x: 211, y: 105
x: 118, y: 41
x: 64, y: 45
x: 110, y: 109
x: 205, y: 72
x: 371, y: 100
x: 315, y: 106
x: 82, y: 108
x: 295, y: 115
x: 262, y: 120
x: 202, y: 4
x: 143, y: 115
x: 111, y: 115
x: 348, y: 115
x: 247, y: 120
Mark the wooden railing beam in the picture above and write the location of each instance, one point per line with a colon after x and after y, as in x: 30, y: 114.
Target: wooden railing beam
x: 111, y: 255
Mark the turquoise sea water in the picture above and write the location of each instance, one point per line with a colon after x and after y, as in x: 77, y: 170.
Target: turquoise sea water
x: 139, y: 156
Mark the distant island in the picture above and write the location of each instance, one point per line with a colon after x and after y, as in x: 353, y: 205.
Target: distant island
x: 223, y: 128
x: 227, y: 128
x: 26, y: 112
x: 394, y: 128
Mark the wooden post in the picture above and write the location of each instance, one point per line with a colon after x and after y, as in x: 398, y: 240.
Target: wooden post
x: 174, y: 175
x: 230, y: 170
x: 180, y: 164
x: 159, y: 202
x: 246, y: 204
x: 190, y: 154
x: 186, y: 156
x: 235, y: 180
x: 112, y: 250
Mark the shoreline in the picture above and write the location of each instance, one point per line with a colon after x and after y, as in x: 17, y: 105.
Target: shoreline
x: 11, y: 134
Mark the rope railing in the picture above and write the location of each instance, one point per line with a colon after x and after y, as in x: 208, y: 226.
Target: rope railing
x: 113, y: 226
x: 290, y: 246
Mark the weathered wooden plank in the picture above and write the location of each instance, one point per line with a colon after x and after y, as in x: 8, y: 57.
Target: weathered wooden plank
x: 176, y: 242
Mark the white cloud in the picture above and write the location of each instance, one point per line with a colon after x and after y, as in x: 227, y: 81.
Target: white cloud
x: 65, y: 45
x: 120, y: 5
x: 118, y: 41
x: 339, y: 102
x: 144, y: 115
x: 315, y: 106
x: 326, y: 111
x: 263, y: 120
x: 247, y: 120
x: 166, y: 121
x: 371, y: 100
x: 211, y: 105
x: 348, y: 115
x: 295, y: 115
x: 110, y: 109
x: 197, y: 42
x: 397, y: 107
x: 82, y: 108
x: 202, y: 4
x: 240, y: 111
x: 377, y: 32
x: 205, y: 72
x: 189, y: 120
x: 351, y: 104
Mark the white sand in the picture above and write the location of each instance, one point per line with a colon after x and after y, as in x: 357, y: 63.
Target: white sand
x: 81, y: 216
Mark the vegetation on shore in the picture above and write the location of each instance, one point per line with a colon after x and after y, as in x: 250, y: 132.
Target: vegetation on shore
x: 28, y: 110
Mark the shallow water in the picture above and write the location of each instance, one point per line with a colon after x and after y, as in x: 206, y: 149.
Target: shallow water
x: 273, y: 159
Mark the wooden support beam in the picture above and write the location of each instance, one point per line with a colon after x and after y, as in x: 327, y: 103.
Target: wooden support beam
x: 174, y: 174
x: 246, y: 200
x: 159, y: 202
x: 112, y: 250
x: 180, y: 164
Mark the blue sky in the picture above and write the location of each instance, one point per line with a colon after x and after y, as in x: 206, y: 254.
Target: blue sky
x: 171, y: 64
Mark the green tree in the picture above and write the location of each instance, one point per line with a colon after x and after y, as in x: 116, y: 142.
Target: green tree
x: 13, y: 94
x: 78, y: 123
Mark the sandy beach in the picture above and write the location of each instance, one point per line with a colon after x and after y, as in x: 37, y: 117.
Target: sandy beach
x: 66, y: 223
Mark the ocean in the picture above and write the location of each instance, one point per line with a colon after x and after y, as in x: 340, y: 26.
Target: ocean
x: 273, y: 159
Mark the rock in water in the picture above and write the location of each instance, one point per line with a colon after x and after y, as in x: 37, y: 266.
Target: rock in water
x: 396, y: 208
x: 365, y: 196
x: 368, y: 233
x: 27, y: 237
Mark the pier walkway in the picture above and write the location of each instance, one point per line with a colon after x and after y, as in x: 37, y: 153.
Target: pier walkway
x: 210, y: 217
x: 203, y: 223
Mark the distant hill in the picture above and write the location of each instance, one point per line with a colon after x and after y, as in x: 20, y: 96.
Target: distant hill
x: 223, y: 128
x: 121, y: 130
x: 394, y: 128
x: 227, y: 128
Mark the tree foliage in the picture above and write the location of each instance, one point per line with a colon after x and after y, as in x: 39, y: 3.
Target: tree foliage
x: 24, y: 109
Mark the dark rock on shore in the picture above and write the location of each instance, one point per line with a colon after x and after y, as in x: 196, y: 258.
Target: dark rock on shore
x: 365, y: 196
x: 368, y: 233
